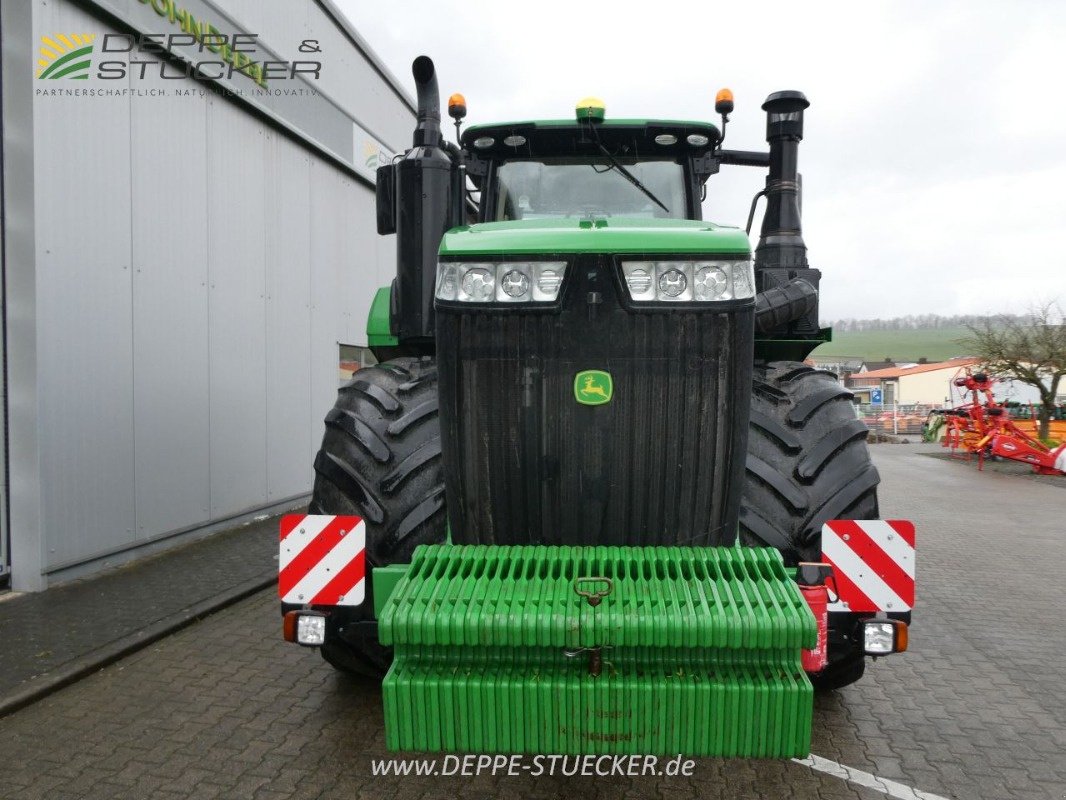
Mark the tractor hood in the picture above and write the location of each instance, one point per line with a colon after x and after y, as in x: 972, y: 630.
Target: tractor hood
x: 594, y: 236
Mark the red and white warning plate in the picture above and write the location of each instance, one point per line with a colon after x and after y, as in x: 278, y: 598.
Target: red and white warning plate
x: 322, y: 560
x: 873, y: 563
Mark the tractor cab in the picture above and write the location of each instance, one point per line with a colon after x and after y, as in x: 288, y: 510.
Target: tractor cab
x: 589, y: 168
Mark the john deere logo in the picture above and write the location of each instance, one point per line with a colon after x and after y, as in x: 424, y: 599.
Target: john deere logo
x: 65, y: 55
x: 593, y: 387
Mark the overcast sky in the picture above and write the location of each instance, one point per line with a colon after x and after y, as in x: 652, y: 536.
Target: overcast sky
x: 934, y: 163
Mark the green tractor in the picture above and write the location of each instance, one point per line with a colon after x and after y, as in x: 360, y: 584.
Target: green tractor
x: 584, y: 502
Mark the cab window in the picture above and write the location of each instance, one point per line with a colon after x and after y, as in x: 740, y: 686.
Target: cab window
x: 560, y: 188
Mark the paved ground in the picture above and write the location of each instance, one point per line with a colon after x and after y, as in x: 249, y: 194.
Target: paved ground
x: 45, y: 634
x: 976, y: 710
x: 1003, y: 466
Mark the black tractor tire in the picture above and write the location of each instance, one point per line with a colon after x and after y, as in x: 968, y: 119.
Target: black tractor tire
x: 380, y: 460
x: 807, y: 463
x: 840, y: 673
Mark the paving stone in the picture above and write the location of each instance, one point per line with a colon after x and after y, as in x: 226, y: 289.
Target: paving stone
x: 43, y: 631
x: 225, y: 709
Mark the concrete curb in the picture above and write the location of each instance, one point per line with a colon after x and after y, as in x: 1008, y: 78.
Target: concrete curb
x: 82, y: 666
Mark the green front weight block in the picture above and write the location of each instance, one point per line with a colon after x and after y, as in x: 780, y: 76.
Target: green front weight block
x: 601, y: 650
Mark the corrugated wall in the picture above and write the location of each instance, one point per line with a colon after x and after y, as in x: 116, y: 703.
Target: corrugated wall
x: 196, y: 269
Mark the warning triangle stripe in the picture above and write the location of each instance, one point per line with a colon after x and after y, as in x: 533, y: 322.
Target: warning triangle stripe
x: 904, y: 527
x: 289, y: 523
x: 873, y: 555
x: 344, y: 587
x: 312, y: 552
x: 848, y: 563
x: 328, y: 567
x: 301, y: 535
x: 889, y: 537
x: 847, y: 591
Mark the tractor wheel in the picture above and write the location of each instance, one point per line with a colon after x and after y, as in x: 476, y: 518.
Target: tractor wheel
x: 807, y: 463
x: 380, y: 460
x: 840, y: 673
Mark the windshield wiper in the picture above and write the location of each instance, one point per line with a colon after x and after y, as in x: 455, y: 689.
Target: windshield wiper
x: 629, y: 176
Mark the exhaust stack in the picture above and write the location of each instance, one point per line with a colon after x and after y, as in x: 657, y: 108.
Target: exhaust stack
x: 419, y: 198
x: 788, y: 287
x: 427, y: 132
x: 781, y: 240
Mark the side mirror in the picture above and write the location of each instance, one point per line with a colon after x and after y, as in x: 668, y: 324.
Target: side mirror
x: 385, y: 195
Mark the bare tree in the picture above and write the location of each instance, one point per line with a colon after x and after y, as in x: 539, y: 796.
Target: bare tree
x: 1030, y: 349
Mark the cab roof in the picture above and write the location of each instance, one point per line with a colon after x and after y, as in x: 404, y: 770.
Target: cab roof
x: 571, y: 137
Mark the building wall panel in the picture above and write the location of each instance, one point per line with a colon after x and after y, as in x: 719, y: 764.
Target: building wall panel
x: 169, y: 222
x: 330, y: 261
x: 236, y: 162
x: 347, y: 77
x: 84, y: 316
x: 196, y: 267
x: 288, y: 318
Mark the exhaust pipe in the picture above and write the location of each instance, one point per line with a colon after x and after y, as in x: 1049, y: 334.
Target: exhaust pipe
x: 781, y: 240
x: 427, y: 131
x: 420, y: 197
x: 787, y: 304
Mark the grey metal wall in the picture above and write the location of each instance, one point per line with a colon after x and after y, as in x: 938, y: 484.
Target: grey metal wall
x: 196, y: 269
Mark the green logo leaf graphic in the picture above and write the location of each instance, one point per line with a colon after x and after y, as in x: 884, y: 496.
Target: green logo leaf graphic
x: 65, y: 56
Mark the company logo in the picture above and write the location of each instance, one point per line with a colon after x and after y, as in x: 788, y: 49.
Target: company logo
x: 65, y: 55
x: 202, y: 52
x: 593, y: 387
x: 374, y: 155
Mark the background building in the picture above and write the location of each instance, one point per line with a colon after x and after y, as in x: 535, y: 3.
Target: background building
x: 182, y: 258
x: 930, y: 384
x: 921, y: 384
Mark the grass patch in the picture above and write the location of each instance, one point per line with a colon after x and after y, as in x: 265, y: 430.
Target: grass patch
x: 904, y: 345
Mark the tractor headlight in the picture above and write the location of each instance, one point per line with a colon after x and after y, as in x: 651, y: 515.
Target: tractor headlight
x: 713, y: 284
x: 305, y: 627
x: 515, y: 284
x: 687, y: 281
x: 477, y: 285
x: 310, y: 629
x: 506, y: 282
x: 673, y: 284
x: 883, y: 636
x: 878, y: 637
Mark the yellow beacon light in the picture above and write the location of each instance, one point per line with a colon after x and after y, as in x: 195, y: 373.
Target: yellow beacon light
x: 457, y: 111
x: 723, y: 102
x: 591, y: 108
x: 457, y: 106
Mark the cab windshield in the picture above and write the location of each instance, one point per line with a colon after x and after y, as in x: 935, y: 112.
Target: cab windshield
x: 557, y: 188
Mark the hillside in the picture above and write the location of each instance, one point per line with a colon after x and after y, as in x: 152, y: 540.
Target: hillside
x: 935, y: 344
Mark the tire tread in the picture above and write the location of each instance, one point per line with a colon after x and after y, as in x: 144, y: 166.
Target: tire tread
x: 807, y: 463
x: 380, y: 460
x: 807, y: 460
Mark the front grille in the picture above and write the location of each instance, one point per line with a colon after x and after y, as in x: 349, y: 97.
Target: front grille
x: 525, y: 463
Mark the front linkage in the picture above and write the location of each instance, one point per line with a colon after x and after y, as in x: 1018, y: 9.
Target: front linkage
x: 605, y: 650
